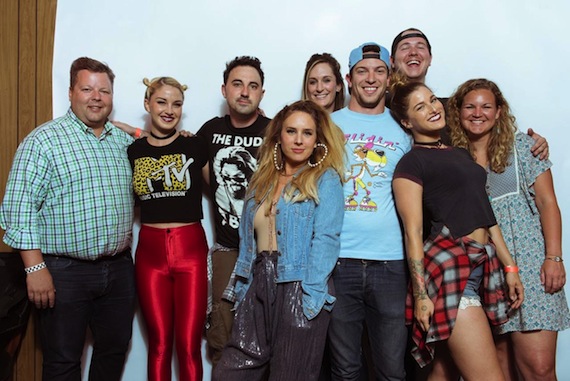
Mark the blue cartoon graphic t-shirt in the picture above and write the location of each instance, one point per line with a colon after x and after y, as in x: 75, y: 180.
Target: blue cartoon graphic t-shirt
x: 374, y: 145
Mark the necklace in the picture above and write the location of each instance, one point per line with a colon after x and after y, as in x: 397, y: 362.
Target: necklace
x: 271, y: 222
x: 273, y: 211
x: 170, y: 134
x: 437, y: 143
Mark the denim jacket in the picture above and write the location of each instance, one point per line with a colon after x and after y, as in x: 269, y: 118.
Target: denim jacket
x: 308, y: 240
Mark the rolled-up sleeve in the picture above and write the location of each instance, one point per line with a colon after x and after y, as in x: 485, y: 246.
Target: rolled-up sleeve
x: 26, y: 191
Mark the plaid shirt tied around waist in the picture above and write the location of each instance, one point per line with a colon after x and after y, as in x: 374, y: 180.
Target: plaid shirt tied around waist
x: 448, y: 263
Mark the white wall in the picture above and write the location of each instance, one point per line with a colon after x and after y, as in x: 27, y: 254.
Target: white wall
x: 520, y: 44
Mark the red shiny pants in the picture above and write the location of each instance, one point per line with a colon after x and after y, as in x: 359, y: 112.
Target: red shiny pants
x: 172, y: 289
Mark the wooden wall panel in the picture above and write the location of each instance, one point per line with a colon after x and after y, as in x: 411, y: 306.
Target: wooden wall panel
x: 27, y: 68
x: 44, y: 63
x: 27, y: 30
x: 9, y: 88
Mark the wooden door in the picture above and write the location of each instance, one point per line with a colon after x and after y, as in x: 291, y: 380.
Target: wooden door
x: 26, y: 54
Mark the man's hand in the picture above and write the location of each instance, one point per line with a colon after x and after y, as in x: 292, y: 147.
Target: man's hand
x: 540, y: 147
x: 41, y: 290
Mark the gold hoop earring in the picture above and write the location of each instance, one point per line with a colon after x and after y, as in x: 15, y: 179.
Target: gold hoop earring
x: 278, y: 167
x: 323, y: 146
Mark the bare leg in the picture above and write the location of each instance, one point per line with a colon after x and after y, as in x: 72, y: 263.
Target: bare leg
x: 504, y: 348
x: 444, y: 368
x: 472, y: 347
x: 535, y: 354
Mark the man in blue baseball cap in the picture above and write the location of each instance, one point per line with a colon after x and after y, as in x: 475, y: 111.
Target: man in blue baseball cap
x: 370, y: 277
x: 368, y: 78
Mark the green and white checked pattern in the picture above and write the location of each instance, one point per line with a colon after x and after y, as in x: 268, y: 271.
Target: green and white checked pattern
x: 69, y: 192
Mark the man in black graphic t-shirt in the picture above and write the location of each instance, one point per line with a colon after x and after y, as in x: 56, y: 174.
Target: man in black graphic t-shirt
x: 233, y: 141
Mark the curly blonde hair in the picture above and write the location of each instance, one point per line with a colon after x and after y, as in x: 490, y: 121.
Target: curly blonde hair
x: 502, y: 134
x: 266, y: 177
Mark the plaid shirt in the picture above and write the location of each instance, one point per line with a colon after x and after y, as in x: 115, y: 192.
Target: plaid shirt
x: 448, y: 264
x: 229, y: 292
x: 69, y: 192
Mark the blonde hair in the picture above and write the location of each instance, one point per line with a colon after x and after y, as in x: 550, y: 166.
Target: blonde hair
x: 156, y: 83
x: 502, y: 134
x: 266, y: 177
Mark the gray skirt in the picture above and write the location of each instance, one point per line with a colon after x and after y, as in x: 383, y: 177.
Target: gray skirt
x: 271, y: 337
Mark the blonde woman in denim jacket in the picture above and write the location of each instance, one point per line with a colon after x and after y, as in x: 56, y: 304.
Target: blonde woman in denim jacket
x: 289, y: 244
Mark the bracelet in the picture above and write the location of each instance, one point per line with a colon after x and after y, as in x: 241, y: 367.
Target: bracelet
x: 34, y: 268
x: 511, y: 269
x: 555, y: 258
x: 138, y: 133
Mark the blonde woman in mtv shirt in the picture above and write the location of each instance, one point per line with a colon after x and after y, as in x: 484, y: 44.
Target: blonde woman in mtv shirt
x: 171, y: 256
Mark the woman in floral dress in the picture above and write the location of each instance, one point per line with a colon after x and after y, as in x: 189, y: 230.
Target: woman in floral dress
x: 522, y: 195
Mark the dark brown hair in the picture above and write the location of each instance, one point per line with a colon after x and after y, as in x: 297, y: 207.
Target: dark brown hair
x: 243, y: 61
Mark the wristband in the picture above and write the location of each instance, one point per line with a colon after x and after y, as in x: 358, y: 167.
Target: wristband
x: 511, y: 269
x: 138, y: 133
x: 34, y: 268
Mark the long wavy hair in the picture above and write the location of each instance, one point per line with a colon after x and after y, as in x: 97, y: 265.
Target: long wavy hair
x: 304, y: 185
x: 335, y: 67
x: 502, y: 134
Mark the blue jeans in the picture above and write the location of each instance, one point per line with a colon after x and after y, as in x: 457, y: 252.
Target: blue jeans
x: 474, y: 282
x: 373, y: 292
x: 96, y: 294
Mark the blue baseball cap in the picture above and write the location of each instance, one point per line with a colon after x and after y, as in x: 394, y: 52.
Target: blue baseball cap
x: 359, y: 54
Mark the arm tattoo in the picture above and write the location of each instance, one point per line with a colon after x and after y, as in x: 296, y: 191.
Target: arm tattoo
x: 418, y: 281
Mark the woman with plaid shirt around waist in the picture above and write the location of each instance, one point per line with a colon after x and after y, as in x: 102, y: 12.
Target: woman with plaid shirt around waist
x: 457, y: 286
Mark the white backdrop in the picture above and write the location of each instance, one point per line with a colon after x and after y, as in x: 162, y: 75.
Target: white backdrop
x: 520, y: 44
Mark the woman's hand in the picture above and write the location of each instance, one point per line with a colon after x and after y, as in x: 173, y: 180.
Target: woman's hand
x: 516, y: 291
x: 134, y: 132
x: 552, y: 276
x: 423, y: 311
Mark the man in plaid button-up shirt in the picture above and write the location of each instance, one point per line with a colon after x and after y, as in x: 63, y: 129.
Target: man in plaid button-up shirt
x: 68, y: 208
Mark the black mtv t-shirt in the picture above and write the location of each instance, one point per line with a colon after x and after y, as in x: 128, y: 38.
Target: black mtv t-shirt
x: 167, y: 180
x: 232, y: 153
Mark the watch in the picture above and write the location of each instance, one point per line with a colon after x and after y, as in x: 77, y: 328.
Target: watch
x: 555, y: 258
